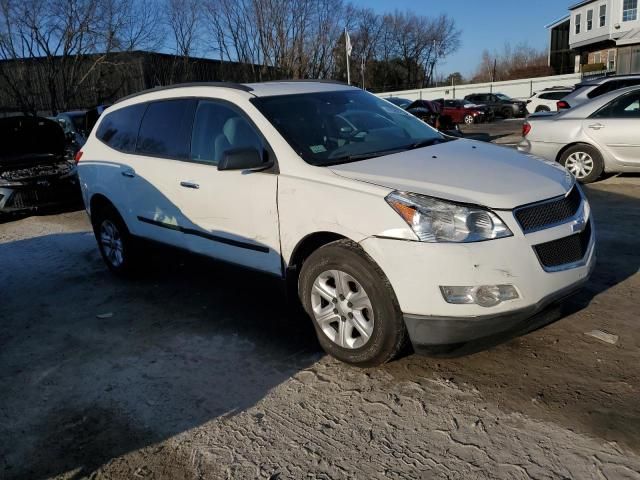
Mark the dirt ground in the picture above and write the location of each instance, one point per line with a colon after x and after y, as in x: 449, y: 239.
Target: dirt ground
x: 197, y: 370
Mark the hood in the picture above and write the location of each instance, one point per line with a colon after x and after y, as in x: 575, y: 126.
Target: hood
x: 28, y: 141
x: 465, y: 171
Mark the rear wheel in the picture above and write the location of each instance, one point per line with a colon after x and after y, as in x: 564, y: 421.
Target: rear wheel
x: 542, y: 108
x: 114, y: 240
x: 352, y: 305
x: 584, y: 162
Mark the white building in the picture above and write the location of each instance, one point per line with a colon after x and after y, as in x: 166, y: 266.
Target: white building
x: 606, y: 34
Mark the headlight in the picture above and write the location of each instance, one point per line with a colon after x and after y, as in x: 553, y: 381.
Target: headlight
x: 435, y: 220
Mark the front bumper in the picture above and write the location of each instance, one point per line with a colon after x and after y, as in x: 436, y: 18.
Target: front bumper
x: 427, y: 332
x: 417, y: 270
x: 39, y: 195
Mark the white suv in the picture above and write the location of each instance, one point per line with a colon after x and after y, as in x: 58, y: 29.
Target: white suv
x: 388, y: 230
x: 546, y: 100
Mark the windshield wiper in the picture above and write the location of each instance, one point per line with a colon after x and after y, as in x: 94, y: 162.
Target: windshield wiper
x: 427, y: 142
x: 361, y: 156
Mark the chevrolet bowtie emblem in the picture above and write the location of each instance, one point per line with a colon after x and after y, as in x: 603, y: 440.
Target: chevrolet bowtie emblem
x: 578, y: 225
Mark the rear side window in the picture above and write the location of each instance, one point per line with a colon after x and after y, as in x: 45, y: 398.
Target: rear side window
x: 626, y: 106
x: 554, y: 95
x: 604, y: 88
x: 119, y: 129
x: 166, y: 129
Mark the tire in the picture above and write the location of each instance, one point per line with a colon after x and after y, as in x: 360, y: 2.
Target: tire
x: 365, y: 337
x: 115, y: 243
x: 507, y: 113
x: 542, y: 108
x: 469, y: 119
x: 584, y: 162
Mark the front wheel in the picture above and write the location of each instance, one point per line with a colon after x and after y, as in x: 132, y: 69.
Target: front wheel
x: 507, y: 113
x: 469, y: 119
x: 352, y: 305
x: 584, y: 162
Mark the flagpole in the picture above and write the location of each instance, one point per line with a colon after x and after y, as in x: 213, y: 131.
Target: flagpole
x: 346, y: 50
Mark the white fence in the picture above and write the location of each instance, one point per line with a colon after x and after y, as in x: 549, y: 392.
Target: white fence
x: 514, y: 88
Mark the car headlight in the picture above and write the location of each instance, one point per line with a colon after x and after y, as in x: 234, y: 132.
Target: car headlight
x: 434, y: 220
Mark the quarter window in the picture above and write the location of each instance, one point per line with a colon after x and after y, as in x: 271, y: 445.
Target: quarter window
x: 589, y: 19
x: 578, y: 20
x: 166, y: 129
x: 218, y: 128
x: 629, y: 10
x: 119, y: 129
x: 603, y: 15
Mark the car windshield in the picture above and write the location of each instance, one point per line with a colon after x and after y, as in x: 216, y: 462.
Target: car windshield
x: 329, y: 128
x: 502, y: 96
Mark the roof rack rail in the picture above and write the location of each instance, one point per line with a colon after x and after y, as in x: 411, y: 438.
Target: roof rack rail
x: 236, y: 86
x: 311, y: 80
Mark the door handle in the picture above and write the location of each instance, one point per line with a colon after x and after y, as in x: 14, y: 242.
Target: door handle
x: 596, y: 126
x: 128, y: 173
x: 189, y: 185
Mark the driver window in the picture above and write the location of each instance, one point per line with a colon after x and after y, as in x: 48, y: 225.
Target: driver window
x: 217, y: 129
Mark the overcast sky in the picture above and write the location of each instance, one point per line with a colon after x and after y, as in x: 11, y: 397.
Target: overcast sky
x: 484, y: 23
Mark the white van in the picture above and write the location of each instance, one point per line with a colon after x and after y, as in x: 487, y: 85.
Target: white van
x: 389, y: 230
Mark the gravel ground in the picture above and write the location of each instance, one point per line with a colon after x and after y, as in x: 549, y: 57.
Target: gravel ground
x: 196, y: 370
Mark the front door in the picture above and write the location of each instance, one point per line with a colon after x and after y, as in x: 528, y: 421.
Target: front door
x: 231, y: 215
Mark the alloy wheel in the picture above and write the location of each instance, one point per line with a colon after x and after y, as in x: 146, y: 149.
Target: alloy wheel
x: 468, y: 119
x: 580, y: 164
x: 111, y: 242
x: 342, y: 309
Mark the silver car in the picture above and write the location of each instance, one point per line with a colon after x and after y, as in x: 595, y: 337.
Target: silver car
x: 601, y: 135
x: 590, y: 89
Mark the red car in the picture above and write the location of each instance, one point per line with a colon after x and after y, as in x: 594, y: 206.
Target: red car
x: 461, y: 111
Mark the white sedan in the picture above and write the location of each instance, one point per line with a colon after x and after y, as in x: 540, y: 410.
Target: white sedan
x: 602, y: 135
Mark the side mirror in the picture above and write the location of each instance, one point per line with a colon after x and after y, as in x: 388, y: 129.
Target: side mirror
x: 242, y: 159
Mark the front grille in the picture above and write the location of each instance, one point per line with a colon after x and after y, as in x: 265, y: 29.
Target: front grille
x: 31, y: 197
x: 542, y: 215
x: 565, y: 250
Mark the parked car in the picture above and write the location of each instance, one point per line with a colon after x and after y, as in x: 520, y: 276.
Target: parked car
x: 585, y: 91
x: 461, y: 111
x: 425, y: 110
x: 400, y: 102
x: 546, y: 100
x: 34, y: 174
x: 386, y: 236
x: 601, y: 135
x: 500, y: 105
x: 74, y: 139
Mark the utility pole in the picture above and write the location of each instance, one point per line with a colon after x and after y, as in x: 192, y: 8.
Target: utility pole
x: 362, y: 67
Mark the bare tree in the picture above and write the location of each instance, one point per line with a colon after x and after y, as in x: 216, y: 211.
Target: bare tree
x: 183, y: 18
x: 521, y: 61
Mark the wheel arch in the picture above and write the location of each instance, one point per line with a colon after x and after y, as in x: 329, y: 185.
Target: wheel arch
x: 305, y: 247
x: 99, y: 202
x: 573, y: 144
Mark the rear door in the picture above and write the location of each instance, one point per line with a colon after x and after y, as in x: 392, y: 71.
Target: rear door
x: 615, y: 128
x: 231, y: 215
x: 162, y: 147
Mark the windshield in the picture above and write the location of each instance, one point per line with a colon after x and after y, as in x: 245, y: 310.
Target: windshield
x: 343, y: 126
x: 502, y: 96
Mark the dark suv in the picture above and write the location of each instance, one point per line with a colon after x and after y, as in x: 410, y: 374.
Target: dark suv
x: 500, y: 104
